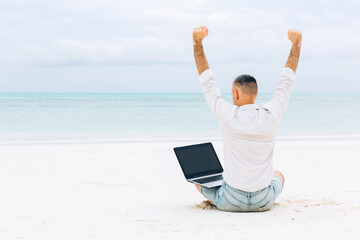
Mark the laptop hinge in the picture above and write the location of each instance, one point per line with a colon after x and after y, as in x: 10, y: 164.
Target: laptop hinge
x: 206, y: 176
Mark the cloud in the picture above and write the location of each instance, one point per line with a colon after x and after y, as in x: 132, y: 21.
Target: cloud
x: 130, y: 51
x: 62, y: 44
x: 149, y: 32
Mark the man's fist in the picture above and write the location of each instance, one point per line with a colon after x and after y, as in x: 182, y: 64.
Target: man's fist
x: 295, y: 36
x: 200, y: 33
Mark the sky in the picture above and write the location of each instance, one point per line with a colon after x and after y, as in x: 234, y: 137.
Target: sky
x: 146, y: 46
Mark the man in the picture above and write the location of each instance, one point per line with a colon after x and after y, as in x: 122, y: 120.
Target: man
x: 248, y: 133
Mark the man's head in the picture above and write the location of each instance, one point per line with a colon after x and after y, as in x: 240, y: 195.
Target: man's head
x: 244, y: 90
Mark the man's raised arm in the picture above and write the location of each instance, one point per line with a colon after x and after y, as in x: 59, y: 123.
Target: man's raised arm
x: 285, y: 85
x: 212, y: 93
x: 295, y: 37
x: 199, y: 34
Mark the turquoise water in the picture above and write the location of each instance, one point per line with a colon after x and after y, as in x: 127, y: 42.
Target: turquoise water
x: 110, y: 117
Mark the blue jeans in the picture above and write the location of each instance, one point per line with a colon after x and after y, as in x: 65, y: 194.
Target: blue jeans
x: 227, y: 198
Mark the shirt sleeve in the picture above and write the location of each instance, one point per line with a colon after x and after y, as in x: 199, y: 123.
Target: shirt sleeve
x: 218, y: 105
x: 280, y: 99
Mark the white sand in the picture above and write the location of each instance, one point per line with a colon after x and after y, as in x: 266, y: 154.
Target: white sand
x: 137, y: 191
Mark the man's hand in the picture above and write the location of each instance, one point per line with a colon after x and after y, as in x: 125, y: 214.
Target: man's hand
x: 200, y: 33
x: 295, y: 36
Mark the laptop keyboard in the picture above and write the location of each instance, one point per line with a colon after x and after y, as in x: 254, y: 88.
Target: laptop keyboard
x: 209, y: 179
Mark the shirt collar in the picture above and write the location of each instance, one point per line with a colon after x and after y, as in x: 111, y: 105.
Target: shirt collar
x: 249, y: 107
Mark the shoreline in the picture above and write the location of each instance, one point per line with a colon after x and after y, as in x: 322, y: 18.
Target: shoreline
x: 284, y: 138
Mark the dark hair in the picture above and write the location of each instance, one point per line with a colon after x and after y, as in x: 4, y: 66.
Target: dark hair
x: 247, y: 83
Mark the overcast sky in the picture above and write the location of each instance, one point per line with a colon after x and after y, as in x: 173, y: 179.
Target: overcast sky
x: 146, y: 46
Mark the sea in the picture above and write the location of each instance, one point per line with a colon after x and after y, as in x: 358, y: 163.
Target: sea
x: 129, y: 117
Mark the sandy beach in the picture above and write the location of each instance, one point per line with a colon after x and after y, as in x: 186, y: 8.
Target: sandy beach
x: 137, y: 191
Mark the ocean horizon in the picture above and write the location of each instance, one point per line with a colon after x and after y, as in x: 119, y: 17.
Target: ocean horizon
x: 107, y: 117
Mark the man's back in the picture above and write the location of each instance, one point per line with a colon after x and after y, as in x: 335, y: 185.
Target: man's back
x: 248, y: 132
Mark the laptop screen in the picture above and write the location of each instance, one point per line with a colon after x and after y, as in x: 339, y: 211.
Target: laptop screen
x: 198, y: 160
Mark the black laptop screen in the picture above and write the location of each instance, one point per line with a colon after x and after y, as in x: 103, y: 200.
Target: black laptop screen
x: 198, y: 160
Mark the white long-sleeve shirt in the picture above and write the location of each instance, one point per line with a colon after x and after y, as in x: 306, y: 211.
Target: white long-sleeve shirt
x: 248, y: 132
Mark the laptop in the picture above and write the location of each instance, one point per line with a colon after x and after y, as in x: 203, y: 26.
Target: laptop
x: 200, y: 164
